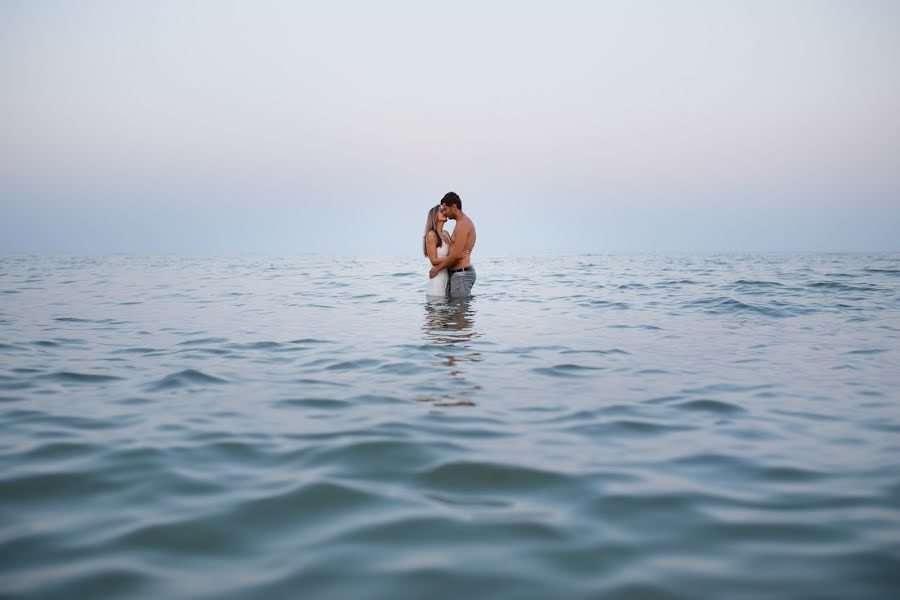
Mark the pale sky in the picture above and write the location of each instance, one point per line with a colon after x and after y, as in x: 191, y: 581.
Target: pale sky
x: 289, y: 127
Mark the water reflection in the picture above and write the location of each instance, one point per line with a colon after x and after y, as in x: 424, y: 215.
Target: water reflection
x: 450, y: 324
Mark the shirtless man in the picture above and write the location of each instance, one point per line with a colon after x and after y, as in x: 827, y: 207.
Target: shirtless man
x: 462, y: 273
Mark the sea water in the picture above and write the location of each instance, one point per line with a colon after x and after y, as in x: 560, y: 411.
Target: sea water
x: 592, y: 426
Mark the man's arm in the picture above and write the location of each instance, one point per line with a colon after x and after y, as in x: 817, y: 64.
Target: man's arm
x: 457, y: 249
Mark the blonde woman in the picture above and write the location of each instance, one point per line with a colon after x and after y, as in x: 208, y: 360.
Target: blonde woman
x: 436, y: 245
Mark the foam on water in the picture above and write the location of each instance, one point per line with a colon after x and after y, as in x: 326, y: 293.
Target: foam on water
x: 586, y: 426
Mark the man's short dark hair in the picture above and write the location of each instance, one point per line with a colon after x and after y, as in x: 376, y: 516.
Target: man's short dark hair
x: 452, y: 198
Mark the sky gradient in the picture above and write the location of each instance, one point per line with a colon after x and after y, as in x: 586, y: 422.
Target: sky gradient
x: 290, y: 127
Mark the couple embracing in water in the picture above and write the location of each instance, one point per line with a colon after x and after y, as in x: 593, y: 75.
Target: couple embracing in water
x: 452, y: 274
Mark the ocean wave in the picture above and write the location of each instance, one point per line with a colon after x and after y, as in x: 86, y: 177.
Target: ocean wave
x: 183, y: 379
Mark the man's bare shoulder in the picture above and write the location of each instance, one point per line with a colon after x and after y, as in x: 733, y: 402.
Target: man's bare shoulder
x: 465, y: 224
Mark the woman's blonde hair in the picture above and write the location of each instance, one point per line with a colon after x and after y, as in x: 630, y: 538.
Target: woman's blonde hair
x: 431, y: 224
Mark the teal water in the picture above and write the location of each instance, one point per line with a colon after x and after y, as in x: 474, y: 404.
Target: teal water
x: 584, y: 427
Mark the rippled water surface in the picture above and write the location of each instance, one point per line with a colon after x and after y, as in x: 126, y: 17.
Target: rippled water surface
x: 584, y: 427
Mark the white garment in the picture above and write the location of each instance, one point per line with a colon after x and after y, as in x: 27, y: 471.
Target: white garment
x: 438, y: 285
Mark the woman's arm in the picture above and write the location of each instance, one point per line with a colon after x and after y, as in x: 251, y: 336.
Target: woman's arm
x: 431, y: 247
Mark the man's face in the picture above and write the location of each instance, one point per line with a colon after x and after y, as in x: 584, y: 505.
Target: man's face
x: 449, y: 210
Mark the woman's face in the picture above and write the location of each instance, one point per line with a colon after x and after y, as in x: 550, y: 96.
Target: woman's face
x: 441, y: 216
